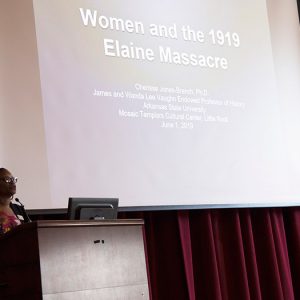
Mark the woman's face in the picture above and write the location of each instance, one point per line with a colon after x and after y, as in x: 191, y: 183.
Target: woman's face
x: 7, y: 184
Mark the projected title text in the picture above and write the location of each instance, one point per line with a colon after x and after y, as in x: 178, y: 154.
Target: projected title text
x: 165, y: 54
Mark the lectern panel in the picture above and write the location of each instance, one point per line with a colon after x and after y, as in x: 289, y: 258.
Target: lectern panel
x: 137, y: 292
x: 106, y: 261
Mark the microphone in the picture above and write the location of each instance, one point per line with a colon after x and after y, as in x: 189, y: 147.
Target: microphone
x: 24, y: 213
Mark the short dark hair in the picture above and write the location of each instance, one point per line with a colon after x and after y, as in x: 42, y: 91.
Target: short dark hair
x: 3, y: 170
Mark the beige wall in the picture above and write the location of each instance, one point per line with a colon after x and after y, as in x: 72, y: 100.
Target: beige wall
x: 285, y: 35
x: 22, y: 136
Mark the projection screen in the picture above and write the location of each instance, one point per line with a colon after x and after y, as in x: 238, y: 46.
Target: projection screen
x: 160, y: 104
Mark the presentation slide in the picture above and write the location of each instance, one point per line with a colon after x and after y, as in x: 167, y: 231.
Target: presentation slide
x: 164, y: 103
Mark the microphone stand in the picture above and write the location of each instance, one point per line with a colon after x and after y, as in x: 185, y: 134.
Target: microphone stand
x: 24, y: 213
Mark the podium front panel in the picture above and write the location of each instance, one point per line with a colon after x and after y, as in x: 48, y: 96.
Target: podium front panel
x: 117, y: 293
x: 99, y: 262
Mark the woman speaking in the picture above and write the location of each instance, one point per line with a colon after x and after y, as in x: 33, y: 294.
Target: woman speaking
x: 11, y: 214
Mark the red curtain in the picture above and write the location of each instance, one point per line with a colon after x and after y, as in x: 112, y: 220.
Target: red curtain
x: 223, y: 253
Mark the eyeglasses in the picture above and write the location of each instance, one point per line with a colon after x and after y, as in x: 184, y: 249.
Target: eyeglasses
x: 9, y: 179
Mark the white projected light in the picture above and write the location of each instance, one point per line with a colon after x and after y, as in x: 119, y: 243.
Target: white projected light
x: 167, y: 103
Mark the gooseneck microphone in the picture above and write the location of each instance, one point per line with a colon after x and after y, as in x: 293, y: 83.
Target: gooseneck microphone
x: 24, y: 213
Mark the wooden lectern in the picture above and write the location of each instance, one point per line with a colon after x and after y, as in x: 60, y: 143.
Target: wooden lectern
x: 74, y: 260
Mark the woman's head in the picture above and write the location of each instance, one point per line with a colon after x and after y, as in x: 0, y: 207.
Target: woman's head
x: 7, y: 184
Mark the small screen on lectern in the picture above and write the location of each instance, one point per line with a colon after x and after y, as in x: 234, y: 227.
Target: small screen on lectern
x: 92, y: 208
